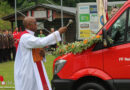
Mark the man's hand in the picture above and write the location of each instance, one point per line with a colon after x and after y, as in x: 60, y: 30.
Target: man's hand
x: 42, y: 52
x: 62, y: 30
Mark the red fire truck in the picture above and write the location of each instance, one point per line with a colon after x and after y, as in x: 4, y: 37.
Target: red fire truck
x: 99, y: 67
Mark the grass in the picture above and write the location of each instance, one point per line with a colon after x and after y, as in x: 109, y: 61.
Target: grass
x: 7, y: 71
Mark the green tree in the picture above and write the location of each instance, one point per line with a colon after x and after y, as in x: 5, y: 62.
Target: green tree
x: 26, y: 3
x: 5, y: 10
x: 12, y: 2
x: 72, y: 3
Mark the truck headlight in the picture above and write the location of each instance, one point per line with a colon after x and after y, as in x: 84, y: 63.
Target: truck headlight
x: 59, y: 65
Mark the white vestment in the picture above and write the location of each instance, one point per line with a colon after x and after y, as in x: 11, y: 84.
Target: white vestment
x: 26, y: 74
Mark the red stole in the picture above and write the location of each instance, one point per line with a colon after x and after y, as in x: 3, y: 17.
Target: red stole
x: 19, y: 36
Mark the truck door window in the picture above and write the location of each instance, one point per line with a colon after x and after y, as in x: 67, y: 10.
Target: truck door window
x: 128, y: 32
x: 117, y: 32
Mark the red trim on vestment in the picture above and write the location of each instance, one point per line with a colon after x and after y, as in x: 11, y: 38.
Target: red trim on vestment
x: 42, y: 76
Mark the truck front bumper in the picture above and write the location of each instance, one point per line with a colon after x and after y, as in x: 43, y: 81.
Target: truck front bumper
x: 61, y: 84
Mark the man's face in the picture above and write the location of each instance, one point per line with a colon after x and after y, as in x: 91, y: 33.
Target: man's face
x: 30, y: 23
x: 114, y: 10
x: 16, y: 29
x: 41, y: 32
x: 33, y: 25
x: 52, y: 30
x: 10, y: 32
x: 6, y: 32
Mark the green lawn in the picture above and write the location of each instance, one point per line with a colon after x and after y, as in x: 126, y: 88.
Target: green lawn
x: 7, y: 71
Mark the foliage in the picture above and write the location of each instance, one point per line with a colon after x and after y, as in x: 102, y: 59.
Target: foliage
x: 5, y: 9
x: 12, y: 2
x: 77, y: 46
x: 73, y: 3
x: 45, y: 1
x: 26, y: 3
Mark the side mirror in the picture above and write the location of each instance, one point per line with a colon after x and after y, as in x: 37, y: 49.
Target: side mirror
x: 106, y: 42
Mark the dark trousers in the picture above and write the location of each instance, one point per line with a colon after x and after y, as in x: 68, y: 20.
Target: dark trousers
x: 9, y: 53
x: 14, y: 52
x: 5, y: 54
x: 1, y: 55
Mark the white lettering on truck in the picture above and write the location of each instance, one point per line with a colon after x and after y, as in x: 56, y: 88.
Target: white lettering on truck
x: 124, y: 59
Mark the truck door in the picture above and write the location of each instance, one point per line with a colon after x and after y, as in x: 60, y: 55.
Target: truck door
x: 117, y: 57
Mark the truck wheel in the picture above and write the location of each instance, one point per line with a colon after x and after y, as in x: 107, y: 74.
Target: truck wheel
x: 91, y: 86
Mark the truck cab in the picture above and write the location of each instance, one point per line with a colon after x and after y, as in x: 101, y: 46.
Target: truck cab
x: 99, y: 67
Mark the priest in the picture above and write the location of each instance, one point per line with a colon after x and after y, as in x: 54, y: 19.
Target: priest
x: 28, y: 74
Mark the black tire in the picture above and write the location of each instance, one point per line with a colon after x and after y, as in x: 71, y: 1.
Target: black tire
x: 91, y: 86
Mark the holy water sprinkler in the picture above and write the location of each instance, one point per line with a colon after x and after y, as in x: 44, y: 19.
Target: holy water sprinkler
x: 70, y: 22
